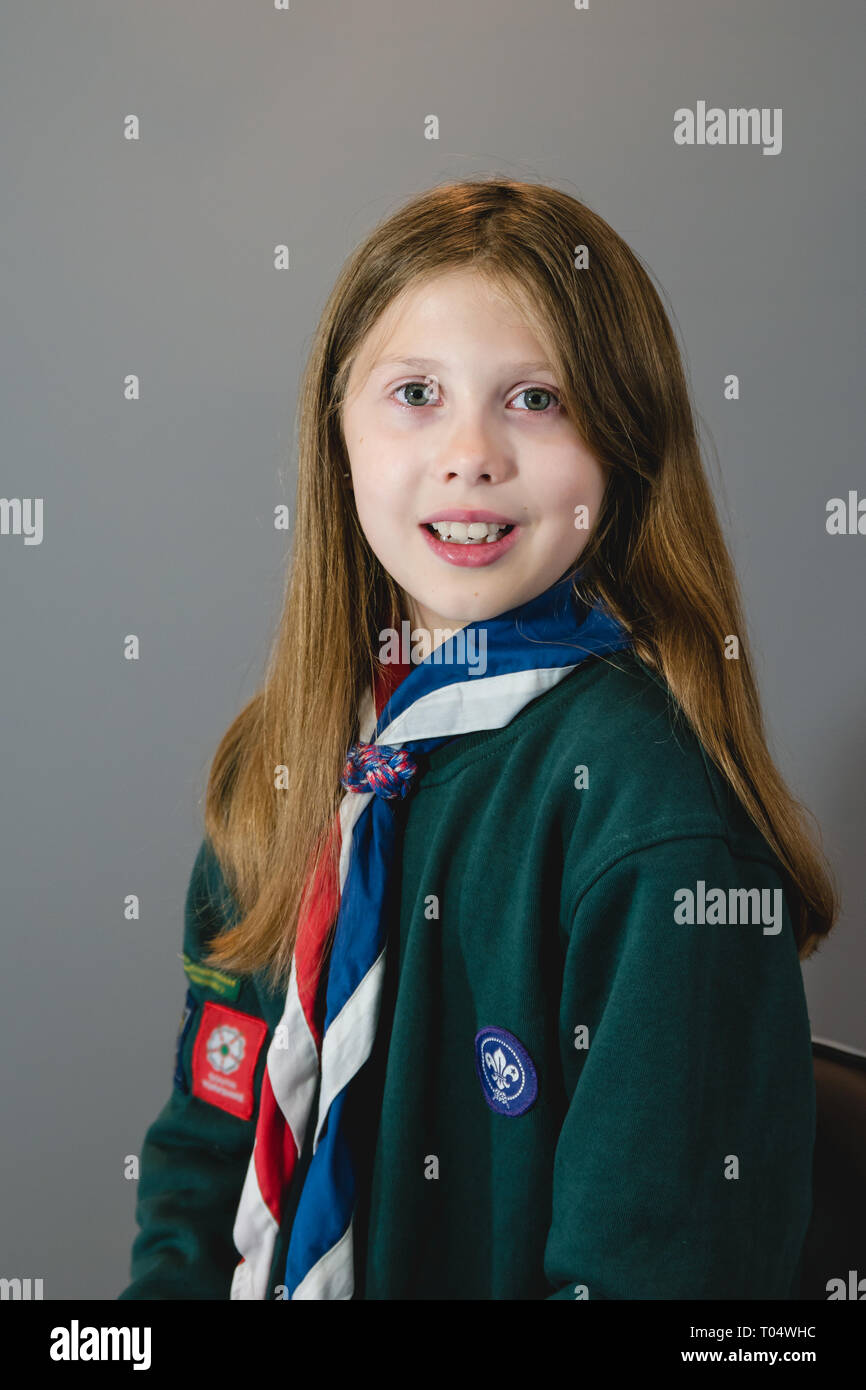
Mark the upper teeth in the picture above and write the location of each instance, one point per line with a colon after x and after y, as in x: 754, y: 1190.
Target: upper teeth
x: 475, y: 531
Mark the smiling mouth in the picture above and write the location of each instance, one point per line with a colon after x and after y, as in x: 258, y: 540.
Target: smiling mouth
x: 489, y: 539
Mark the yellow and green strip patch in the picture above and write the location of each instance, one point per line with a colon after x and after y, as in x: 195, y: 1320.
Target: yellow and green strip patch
x: 226, y: 986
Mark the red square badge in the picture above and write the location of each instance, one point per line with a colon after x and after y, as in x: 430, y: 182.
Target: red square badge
x: 224, y: 1058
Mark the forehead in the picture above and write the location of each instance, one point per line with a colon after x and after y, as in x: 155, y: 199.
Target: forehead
x: 433, y: 313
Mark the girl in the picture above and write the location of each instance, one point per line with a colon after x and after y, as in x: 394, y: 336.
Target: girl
x: 493, y: 939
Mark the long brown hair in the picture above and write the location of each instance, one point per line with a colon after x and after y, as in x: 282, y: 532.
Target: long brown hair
x: 656, y: 556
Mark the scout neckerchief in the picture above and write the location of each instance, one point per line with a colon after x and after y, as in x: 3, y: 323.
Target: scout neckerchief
x: 529, y: 649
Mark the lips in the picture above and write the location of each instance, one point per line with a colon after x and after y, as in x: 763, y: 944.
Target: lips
x: 470, y: 556
x: 461, y: 514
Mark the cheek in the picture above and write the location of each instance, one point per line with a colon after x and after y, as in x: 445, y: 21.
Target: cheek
x: 379, y: 499
x: 575, y: 484
x: 379, y: 489
x: 376, y: 463
x: 383, y: 492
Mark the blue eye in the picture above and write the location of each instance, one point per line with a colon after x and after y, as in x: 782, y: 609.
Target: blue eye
x: 417, y: 386
x: 543, y: 391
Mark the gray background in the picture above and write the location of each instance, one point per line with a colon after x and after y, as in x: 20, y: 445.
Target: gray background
x: 155, y: 257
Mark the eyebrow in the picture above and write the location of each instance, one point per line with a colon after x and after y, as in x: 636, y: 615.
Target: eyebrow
x: 424, y: 364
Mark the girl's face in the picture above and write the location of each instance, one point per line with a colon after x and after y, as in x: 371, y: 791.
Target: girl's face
x: 450, y: 410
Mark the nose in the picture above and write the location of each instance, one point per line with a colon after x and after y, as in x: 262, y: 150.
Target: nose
x: 472, y: 452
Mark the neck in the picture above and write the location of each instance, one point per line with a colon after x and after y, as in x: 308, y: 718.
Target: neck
x: 426, y: 630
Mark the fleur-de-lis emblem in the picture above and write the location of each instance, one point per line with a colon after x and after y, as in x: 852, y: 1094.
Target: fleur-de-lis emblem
x: 503, y: 1071
x: 506, y: 1072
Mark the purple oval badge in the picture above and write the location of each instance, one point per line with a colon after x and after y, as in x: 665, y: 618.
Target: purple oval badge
x: 506, y: 1071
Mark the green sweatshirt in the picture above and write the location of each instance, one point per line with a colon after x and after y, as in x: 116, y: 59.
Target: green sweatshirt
x: 592, y: 1076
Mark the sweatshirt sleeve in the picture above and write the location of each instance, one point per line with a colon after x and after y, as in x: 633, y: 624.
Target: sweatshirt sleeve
x: 683, y: 1168
x: 196, y: 1152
